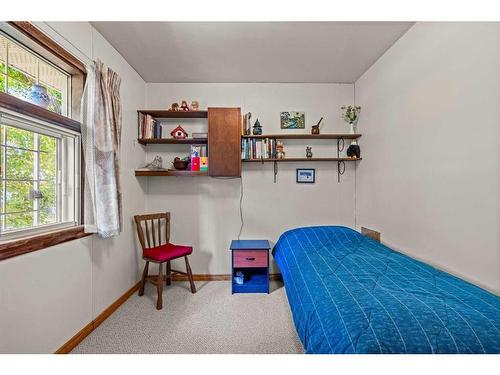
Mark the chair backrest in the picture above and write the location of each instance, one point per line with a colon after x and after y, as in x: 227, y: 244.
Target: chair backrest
x: 150, y: 235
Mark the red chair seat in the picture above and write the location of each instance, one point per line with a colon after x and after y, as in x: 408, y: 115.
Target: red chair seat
x: 166, y: 252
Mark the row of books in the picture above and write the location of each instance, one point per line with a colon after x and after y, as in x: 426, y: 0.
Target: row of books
x: 252, y: 148
x: 149, y: 127
x: 199, y: 159
x: 199, y: 150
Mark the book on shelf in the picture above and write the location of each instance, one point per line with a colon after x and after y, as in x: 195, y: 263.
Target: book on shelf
x: 199, y: 150
x: 252, y: 148
x: 195, y: 163
x: 199, y: 159
x: 203, y: 164
x: 200, y: 135
x: 149, y: 128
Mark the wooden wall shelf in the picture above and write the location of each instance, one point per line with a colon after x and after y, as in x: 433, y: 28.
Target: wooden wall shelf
x: 224, y: 127
x: 168, y: 172
x: 187, y: 141
x: 225, y: 141
x: 158, y: 113
x: 300, y: 159
x: 304, y: 136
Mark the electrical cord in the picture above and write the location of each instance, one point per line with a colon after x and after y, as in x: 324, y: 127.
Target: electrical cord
x: 241, y: 201
x: 241, y: 208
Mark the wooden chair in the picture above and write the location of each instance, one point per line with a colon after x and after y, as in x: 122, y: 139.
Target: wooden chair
x: 157, y: 251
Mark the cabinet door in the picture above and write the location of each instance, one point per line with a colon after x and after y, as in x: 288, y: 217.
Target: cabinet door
x: 224, y: 142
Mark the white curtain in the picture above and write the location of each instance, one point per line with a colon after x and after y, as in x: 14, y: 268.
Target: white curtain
x: 101, y: 137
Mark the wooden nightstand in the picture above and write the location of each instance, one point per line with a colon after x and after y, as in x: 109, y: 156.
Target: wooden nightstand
x: 251, y: 257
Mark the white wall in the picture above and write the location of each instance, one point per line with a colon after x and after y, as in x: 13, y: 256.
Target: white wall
x: 430, y: 177
x: 205, y: 211
x: 49, y: 295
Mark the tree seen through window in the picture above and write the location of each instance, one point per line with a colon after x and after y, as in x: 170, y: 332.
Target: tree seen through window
x: 29, y: 178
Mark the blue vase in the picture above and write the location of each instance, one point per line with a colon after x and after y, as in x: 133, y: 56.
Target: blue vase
x: 39, y: 96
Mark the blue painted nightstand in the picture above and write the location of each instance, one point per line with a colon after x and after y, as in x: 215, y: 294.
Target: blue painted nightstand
x: 251, y: 257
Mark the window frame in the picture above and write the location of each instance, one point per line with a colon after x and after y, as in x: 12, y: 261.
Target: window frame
x: 44, y: 128
x: 66, y: 96
x: 36, y: 41
x: 26, y: 34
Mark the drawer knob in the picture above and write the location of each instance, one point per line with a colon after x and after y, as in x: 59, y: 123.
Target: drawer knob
x: 250, y: 258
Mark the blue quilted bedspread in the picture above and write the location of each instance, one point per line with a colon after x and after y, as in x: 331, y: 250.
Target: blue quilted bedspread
x: 350, y: 294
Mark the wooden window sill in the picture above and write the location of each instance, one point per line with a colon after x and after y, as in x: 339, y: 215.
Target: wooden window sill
x: 41, y: 241
x: 29, y: 109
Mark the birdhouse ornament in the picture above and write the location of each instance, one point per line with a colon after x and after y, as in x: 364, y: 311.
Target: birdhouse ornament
x: 179, y: 133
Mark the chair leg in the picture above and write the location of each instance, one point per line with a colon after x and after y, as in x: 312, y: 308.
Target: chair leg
x: 159, y: 286
x: 169, y: 273
x: 190, y: 275
x: 143, y: 280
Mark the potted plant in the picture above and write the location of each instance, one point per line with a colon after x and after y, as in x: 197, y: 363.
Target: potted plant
x: 350, y: 114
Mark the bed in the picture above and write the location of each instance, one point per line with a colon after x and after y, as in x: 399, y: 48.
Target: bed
x: 351, y: 294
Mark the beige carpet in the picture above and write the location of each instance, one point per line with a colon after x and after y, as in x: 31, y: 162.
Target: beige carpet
x: 210, y: 321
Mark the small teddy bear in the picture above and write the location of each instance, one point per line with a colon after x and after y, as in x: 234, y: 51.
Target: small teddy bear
x: 195, y: 106
x: 184, y: 106
x: 280, y: 154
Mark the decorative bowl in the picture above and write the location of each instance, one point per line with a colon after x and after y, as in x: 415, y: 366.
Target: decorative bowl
x: 180, y: 164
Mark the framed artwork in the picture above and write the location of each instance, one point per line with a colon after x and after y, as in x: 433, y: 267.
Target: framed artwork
x: 306, y: 176
x: 293, y: 120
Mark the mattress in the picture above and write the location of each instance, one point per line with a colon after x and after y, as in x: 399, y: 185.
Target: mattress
x: 351, y: 294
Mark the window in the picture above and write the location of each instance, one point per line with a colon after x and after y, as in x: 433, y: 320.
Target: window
x: 27, y: 76
x: 39, y: 176
x: 41, y: 85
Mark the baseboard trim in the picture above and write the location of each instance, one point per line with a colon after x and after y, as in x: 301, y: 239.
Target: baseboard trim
x: 201, y: 277
x: 208, y: 277
x: 87, y: 330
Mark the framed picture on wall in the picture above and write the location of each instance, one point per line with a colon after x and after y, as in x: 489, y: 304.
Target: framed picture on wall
x: 306, y: 176
x: 292, y: 120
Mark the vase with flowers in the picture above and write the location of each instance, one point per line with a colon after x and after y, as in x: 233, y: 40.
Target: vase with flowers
x: 350, y: 114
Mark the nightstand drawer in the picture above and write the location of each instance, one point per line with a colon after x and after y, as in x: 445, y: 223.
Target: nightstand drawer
x: 250, y: 258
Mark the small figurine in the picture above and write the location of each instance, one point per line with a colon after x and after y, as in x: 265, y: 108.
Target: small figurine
x: 195, y: 106
x: 184, y: 106
x: 157, y: 163
x: 174, y: 107
x: 309, y: 153
x: 239, y: 277
x: 315, y: 128
x: 257, y: 128
x: 353, y: 151
x: 246, y: 123
x: 280, y: 154
x: 179, y: 133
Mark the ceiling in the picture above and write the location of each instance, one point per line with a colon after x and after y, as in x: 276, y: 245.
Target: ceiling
x: 316, y: 52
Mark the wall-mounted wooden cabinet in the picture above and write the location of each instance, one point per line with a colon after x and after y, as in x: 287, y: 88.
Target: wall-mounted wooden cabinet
x: 224, y: 142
